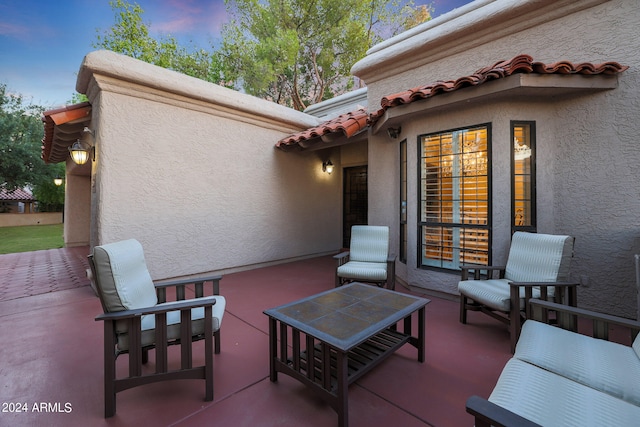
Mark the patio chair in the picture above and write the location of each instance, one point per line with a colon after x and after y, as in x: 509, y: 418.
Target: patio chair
x: 368, y: 259
x: 137, y: 318
x: 537, y: 267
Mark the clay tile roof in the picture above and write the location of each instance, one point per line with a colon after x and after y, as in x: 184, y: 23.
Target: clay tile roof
x: 501, y: 69
x: 54, y: 145
x: 349, y: 124
x: 19, y: 195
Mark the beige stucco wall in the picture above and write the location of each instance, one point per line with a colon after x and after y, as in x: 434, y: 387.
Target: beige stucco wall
x: 190, y: 170
x: 36, y: 218
x: 587, y: 151
x: 77, y: 209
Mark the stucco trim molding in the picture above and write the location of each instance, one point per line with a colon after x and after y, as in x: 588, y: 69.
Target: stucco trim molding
x: 111, y: 71
x: 459, y: 31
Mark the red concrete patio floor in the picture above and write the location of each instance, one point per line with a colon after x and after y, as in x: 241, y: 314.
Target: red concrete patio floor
x: 52, y: 355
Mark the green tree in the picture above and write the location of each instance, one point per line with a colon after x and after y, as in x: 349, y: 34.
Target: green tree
x: 50, y: 197
x: 130, y: 36
x: 299, y: 52
x: 21, y: 134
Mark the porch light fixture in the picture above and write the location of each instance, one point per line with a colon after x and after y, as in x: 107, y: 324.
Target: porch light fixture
x: 80, y: 152
x: 394, y: 133
x: 327, y: 167
x: 57, y: 181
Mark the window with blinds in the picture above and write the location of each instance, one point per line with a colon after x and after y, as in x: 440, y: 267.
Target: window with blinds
x: 455, y: 199
x: 523, y: 198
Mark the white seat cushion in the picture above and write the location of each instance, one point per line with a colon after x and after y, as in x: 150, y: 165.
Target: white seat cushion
x: 122, y: 274
x: 494, y: 293
x: 606, y: 366
x: 553, y: 400
x: 369, y: 243
x: 375, y: 271
x: 535, y: 257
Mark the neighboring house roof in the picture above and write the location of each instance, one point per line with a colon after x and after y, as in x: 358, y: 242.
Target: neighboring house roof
x: 521, y: 64
x: 19, y: 195
x: 62, y: 127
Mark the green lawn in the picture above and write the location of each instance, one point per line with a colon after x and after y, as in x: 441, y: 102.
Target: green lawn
x: 30, y: 238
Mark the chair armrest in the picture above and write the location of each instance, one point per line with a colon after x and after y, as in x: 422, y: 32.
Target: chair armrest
x: 342, y: 258
x: 543, y: 284
x: 489, y: 414
x: 566, y: 318
x: 159, y: 309
x: 391, y: 258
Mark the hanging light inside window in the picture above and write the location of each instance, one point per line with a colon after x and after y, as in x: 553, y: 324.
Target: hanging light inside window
x: 521, y: 152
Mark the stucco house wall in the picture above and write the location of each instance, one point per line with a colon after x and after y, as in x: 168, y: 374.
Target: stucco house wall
x: 587, y: 150
x: 189, y: 169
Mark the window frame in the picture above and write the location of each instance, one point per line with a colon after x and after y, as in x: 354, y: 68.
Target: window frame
x: 532, y: 228
x: 462, y: 226
x: 403, y: 231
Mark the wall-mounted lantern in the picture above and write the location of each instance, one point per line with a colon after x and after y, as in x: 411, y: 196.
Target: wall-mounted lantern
x: 327, y: 167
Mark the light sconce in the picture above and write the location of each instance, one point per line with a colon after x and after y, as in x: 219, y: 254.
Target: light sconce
x: 327, y: 167
x: 57, y: 181
x: 394, y: 133
x: 81, y: 151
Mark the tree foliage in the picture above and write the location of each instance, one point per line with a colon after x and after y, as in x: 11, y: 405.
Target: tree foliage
x: 130, y: 36
x: 293, y: 52
x: 300, y: 52
x: 21, y: 163
x: 50, y: 196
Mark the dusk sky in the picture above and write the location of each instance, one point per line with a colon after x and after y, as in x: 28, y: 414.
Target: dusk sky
x: 43, y: 42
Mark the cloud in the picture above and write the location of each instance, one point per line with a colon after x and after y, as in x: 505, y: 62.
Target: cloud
x: 12, y: 30
x: 194, y: 16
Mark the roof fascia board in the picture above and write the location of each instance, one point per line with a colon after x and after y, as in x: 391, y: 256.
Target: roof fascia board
x: 516, y: 86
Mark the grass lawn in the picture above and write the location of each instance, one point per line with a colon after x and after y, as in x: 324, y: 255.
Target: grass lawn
x: 30, y: 238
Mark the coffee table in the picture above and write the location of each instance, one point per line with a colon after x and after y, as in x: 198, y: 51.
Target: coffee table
x: 329, y: 340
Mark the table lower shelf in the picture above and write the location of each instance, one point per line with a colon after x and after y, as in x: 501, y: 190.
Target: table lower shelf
x: 360, y: 360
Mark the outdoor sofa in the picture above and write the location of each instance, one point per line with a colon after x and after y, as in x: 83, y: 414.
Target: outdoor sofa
x: 559, y: 377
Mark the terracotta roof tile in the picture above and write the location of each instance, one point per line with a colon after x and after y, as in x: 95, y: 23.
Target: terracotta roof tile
x: 349, y: 124
x: 19, y: 194
x: 352, y: 123
x: 60, y: 116
x: 499, y: 70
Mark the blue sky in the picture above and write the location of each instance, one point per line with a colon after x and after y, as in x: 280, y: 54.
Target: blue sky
x: 42, y: 42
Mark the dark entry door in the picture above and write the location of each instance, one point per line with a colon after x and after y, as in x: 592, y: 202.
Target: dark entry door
x: 355, y: 202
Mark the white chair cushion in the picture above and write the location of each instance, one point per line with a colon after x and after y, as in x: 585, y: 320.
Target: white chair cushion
x: 123, y: 276
x: 494, y: 293
x: 603, y: 365
x: 148, y: 324
x: 369, y: 243
x: 553, y: 400
x: 537, y: 257
x: 375, y: 271
x: 636, y: 345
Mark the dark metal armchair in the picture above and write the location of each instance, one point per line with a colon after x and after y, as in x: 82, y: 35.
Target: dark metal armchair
x: 138, y: 318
